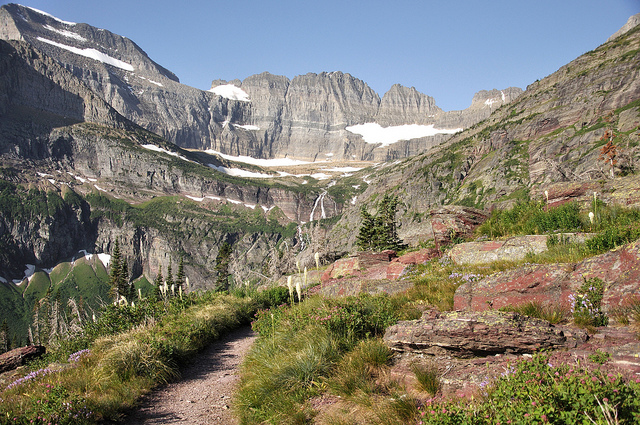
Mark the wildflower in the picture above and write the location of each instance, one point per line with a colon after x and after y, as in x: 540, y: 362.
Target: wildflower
x: 591, y: 217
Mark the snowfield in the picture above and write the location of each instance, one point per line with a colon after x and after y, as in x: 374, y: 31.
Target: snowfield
x: 65, y: 33
x: 276, y: 162
x: 229, y: 91
x: 51, y: 16
x: 374, y: 133
x: 91, y: 54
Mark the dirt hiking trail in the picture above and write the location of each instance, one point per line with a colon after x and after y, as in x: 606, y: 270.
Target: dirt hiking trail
x: 203, y: 393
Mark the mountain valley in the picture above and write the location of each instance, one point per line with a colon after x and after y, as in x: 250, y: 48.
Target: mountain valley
x: 98, y: 142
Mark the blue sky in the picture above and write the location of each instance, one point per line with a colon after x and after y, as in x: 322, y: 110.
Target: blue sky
x: 446, y: 49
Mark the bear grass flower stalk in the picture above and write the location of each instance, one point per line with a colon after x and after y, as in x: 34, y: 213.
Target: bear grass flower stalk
x: 290, y: 287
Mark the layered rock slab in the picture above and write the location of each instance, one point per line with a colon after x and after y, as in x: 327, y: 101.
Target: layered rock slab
x: 552, y: 284
x: 467, y: 334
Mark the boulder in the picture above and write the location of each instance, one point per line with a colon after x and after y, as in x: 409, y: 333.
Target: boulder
x: 551, y: 284
x: 546, y: 284
x: 19, y: 356
x: 512, y: 249
x: 465, y: 334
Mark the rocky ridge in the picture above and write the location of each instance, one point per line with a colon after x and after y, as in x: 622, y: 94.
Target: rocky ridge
x: 303, y: 118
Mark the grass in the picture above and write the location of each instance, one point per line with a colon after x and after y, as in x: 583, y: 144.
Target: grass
x: 428, y: 377
x: 552, y: 313
x: 122, y: 356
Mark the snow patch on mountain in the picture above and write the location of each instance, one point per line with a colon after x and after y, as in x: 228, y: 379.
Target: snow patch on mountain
x: 159, y: 149
x: 248, y: 127
x: 237, y: 172
x: 374, y: 133
x: 275, y: 162
x: 50, y: 16
x: 91, y: 54
x: 229, y: 91
x: 65, y: 33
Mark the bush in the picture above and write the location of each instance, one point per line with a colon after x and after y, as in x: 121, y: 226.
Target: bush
x: 535, y: 391
x: 586, y: 304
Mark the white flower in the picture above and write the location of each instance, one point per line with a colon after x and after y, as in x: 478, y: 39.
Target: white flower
x: 591, y: 215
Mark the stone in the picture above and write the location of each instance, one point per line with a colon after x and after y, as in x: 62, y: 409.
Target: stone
x: 511, y: 249
x: 19, y: 356
x: 552, y: 284
x: 465, y: 334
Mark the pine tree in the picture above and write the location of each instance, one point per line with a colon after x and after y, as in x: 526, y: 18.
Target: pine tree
x: 158, y: 282
x: 380, y: 232
x: 180, y: 275
x: 367, y: 230
x: 222, y: 266
x: 115, y: 276
x: 388, y: 208
x: 169, y: 279
x: 5, y: 342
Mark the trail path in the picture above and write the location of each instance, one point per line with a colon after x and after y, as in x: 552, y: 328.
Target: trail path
x: 203, y: 394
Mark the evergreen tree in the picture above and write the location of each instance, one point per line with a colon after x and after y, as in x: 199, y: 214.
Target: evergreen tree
x: 115, y: 276
x: 180, y: 276
x: 367, y: 230
x: 222, y: 266
x: 390, y: 238
x: 380, y: 232
x: 169, y: 279
x: 5, y: 342
x: 158, y: 282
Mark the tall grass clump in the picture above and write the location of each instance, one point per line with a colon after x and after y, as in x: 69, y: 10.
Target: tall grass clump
x: 281, y: 372
x: 435, y: 283
x: 357, y: 371
x: 427, y: 376
x: 533, y: 217
x: 299, y: 349
x: 551, y: 313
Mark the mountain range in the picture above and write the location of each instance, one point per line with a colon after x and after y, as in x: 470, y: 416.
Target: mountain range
x: 264, y: 116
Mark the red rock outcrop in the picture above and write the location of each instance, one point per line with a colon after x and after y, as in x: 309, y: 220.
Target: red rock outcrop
x: 551, y: 284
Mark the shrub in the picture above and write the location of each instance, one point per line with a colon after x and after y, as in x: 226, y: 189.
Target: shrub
x: 586, y: 304
x: 535, y: 391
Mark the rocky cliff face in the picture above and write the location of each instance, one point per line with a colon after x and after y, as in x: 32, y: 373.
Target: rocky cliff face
x: 48, y: 149
x: 304, y: 118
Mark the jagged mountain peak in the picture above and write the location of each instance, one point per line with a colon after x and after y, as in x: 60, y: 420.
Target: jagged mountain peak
x: 82, y: 45
x: 264, y: 116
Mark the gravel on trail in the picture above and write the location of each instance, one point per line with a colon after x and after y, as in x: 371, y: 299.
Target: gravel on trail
x: 203, y: 393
